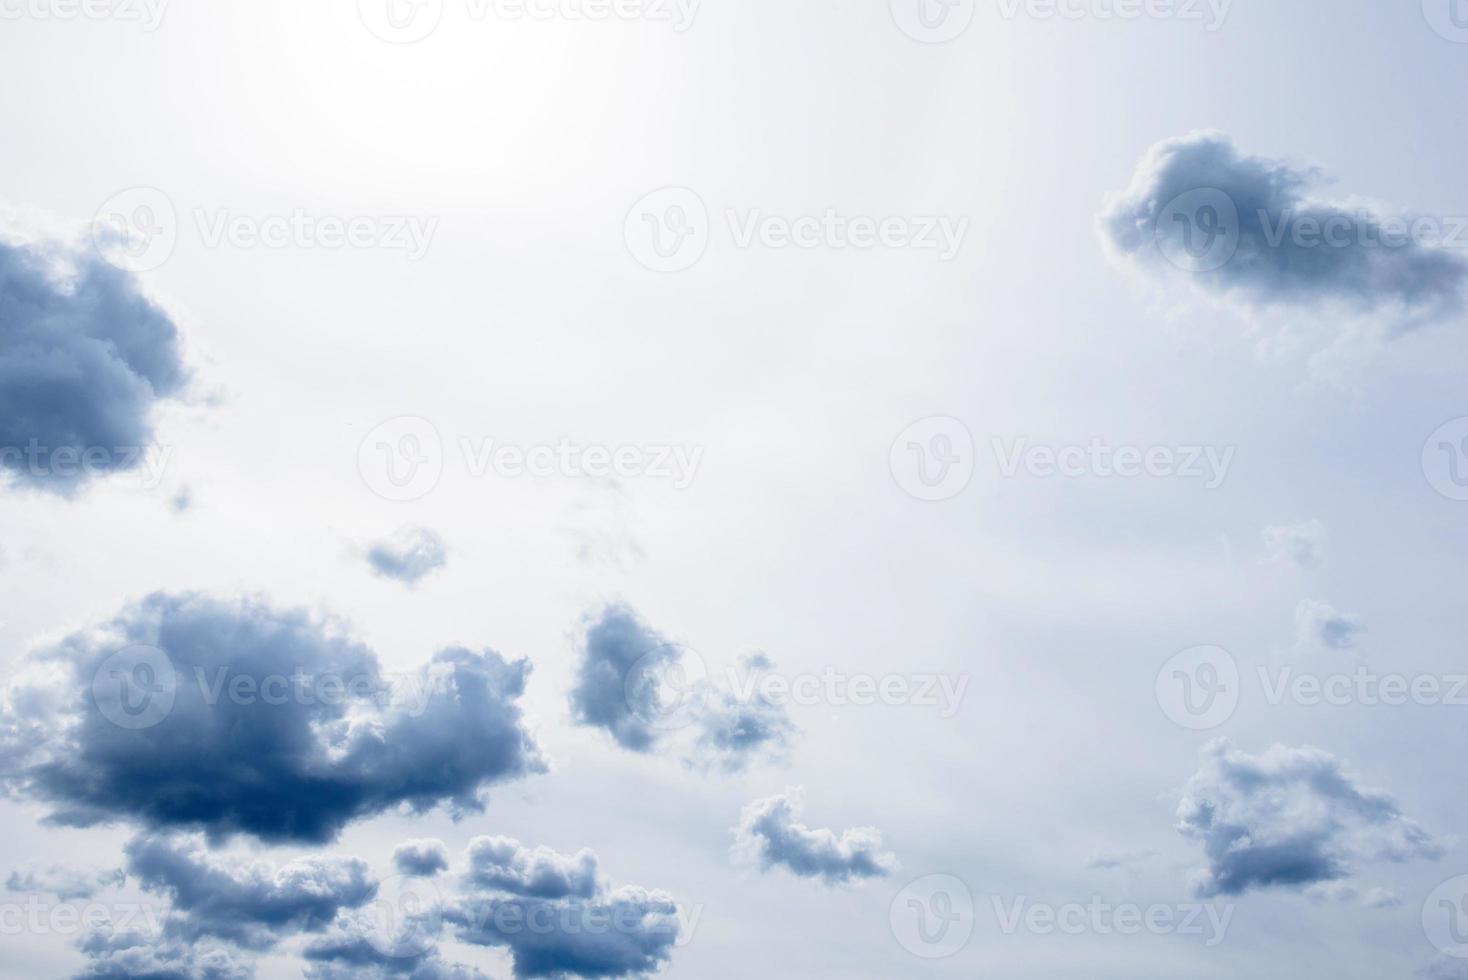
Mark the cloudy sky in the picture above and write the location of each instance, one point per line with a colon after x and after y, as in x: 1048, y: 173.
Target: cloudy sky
x: 538, y: 488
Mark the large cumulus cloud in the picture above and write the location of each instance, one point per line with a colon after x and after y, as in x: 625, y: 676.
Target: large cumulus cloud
x: 1246, y: 227
x: 85, y: 357
x: 771, y: 835
x: 251, y: 719
x: 1289, y: 818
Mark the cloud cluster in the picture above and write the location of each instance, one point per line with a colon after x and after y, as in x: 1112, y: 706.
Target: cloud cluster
x: 770, y: 835
x: 408, y: 556
x: 421, y: 858
x: 129, y: 955
x: 231, y: 716
x: 649, y: 693
x: 1289, y: 818
x: 67, y: 884
x: 1245, y: 227
x: 85, y: 357
x: 501, y: 864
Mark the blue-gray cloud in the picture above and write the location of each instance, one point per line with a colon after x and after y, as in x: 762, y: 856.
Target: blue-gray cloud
x: 359, y: 948
x: 85, y: 357
x: 1320, y: 626
x: 770, y: 834
x: 616, y: 643
x: 131, y: 955
x: 232, y: 716
x: 409, y: 556
x: 1245, y: 227
x: 67, y: 884
x: 501, y: 864
x: 421, y: 858
x: 1289, y: 818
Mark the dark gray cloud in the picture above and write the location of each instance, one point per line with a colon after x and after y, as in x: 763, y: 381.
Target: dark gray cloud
x: 1244, y: 226
x: 251, y: 904
x: 1289, y: 818
x: 126, y: 955
x: 770, y: 835
x: 557, y: 919
x: 409, y: 556
x: 421, y: 858
x: 66, y: 884
x: 85, y: 358
x: 650, y: 693
x: 236, y: 717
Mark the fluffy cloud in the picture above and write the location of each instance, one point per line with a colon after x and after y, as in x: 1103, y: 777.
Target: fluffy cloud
x: 1320, y: 626
x: 236, y: 717
x: 558, y: 919
x: 125, y: 955
x: 358, y: 948
x: 770, y: 835
x: 421, y: 858
x: 85, y: 358
x: 1290, y: 818
x: 253, y: 905
x: 67, y: 884
x: 410, y: 555
x: 1245, y: 227
x: 1301, y: 544
x: 648, y: 693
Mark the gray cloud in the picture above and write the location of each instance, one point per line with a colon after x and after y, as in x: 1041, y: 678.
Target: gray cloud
x: 1275, y: 244
x: 357, y: 949
x: 125, y: 955
x: 1290, y: 818
x: 1320, y: 626
x: 85, y: 358
x: 501, y: 864
x: 421, y: 858
x: 409, y: 556
x: 770, y: 835
x: 67, y: 884
x: 269, y: 722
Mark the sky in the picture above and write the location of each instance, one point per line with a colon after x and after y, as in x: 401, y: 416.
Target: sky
x: 838, y: 490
